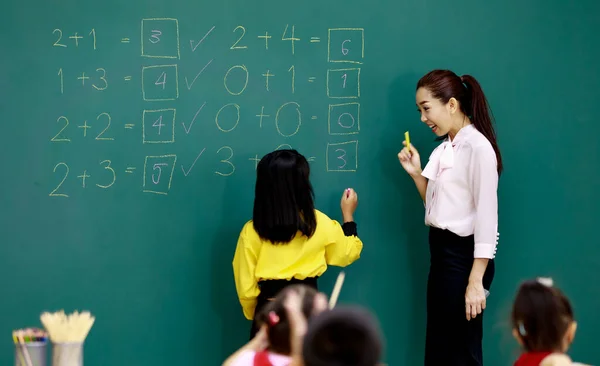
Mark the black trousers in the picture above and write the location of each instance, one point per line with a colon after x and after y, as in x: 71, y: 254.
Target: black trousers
x: 451, y: 339
x: 269, y: 289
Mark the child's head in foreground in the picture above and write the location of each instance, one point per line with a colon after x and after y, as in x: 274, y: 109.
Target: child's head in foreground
x: 275, y: 315
x: 344, y: 336
x: 542, y: 317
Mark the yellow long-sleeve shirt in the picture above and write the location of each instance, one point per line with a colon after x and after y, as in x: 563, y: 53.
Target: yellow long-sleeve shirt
x: 303, y: 257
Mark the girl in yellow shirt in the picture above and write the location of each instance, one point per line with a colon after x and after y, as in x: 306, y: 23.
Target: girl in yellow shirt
x: 288, y: 241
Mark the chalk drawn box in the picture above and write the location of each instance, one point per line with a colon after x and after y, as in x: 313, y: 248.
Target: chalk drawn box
x: 344, y: 119
x: 342, y: 156
x: 343, y: 83
x: 158, y: 126
x: 160, y: 83
x: 158, y: 173
x: 160, y: 38
x: 346, y: 45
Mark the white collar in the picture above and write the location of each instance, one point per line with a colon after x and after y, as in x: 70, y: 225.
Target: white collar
x: 443, y: 156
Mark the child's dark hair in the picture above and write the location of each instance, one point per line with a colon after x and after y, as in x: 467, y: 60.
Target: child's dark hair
x: 279, y: 330
x: 445, y: 84
x: 284, y: 198
x: 344, y: 336
x: 541, y: 315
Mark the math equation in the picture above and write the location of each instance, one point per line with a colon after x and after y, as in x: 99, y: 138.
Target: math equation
x: 162, y: 83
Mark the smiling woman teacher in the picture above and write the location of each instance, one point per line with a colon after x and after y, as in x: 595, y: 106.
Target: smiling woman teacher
x: 459, y: 186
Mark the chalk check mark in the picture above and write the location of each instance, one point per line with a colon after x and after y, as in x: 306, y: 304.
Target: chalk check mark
x: 189, y: 86
x: 194, y: 163
x: 200, y: 41
x: 187, y: 129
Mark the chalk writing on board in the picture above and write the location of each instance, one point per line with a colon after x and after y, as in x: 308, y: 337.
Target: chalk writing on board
x: 342, y: 156
x: 244, y: 70
x: 83, y: 177
x: 195, y: 45
x: 56, y: 138
x: 187, y: 129
x: 293, y: 71
x: 103, y: 122
x: 291, y: 37
x: 108, y: 119
x: 158, y: 126
x: 160, y: 38
x: 343, y: 83
x: 74, y: 39
x: 188, y: 84
x: 62, y: 81
x: 256, y: 158
x: 346, y: 45
x: 295, y: 121
x: 266, y: 37
x: 344, y: 119
x: 160, y: 83
x: 227, y: 161
x: 261, y: 116
x: 54, y: 192
x: 112, y: 175
x: 158, y: 173
x: 187, y: 172
x: 97, y: 79
x: 243, y: 82
x: 242, y: 32
x: 85, y: 127
x: 267, y: 75
x: 234, y: 106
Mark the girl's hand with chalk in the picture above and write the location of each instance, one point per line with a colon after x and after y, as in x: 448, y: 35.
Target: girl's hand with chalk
x: 410, y: 160
x: 348, y: 204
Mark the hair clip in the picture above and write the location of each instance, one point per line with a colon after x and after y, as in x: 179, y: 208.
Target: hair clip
x: 273, y: 318
x: 546, y: 281
x: 522, y: 331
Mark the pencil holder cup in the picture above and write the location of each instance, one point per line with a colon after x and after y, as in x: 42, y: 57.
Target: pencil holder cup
x: 37, y: 352
x: 67, y: 354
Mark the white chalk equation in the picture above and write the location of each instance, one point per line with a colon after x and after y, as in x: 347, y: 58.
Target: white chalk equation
x: 281, y: 100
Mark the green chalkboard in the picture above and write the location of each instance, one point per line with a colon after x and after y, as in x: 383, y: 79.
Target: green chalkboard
x: 131, y: 132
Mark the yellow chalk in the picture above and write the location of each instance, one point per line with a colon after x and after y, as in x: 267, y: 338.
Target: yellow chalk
x: 407, y: 138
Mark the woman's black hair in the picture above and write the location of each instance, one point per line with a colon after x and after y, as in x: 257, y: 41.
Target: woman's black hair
x: 541, y: 314
x: 284, y: 198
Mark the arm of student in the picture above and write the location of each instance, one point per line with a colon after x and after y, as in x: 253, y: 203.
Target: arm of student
x: 346, y: 246
x: 245, y: 355
x: 240, y: 357
x: 557, y: 359
x: 244, y: 264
